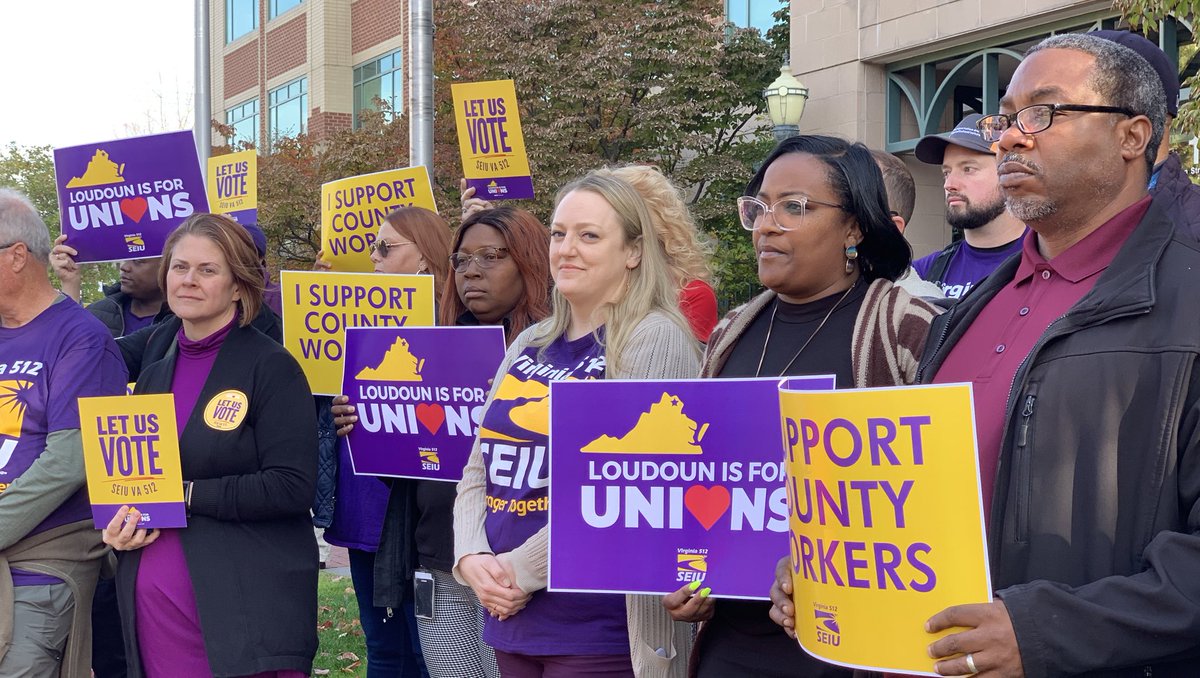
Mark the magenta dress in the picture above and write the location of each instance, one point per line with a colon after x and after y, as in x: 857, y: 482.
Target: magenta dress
x: 168, y: 624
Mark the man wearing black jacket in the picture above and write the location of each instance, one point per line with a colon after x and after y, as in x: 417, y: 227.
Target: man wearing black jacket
x: 1083, y: 352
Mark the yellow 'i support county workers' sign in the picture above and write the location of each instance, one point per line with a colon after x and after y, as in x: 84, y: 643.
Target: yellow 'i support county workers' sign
x: 886, y: 519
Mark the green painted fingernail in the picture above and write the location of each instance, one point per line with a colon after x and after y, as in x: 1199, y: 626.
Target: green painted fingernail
x: 693, y: 586
x: 704, y: 592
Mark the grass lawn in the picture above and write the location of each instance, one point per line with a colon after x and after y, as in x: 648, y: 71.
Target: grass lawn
x: 343, y: 650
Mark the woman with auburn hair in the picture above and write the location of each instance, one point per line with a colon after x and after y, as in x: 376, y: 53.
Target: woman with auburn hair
x: 233, y: 593
x: 828, y: 254
x: 676, y: 229
x: 614, y: 314
x: 411, y: 240
x: 492, y: 292
x: 501, y: 277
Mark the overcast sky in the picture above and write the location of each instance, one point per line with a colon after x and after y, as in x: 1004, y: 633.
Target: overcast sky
x: 79, y: 71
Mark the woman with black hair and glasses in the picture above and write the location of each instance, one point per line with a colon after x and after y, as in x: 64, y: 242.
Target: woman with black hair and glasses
x: 410, y: 240
x: 828, y: 252
x: 501, y: 276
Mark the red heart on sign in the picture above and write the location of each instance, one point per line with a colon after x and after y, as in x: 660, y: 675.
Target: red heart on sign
x: 431, y: 416
x: 707, y: 504
x: 134, y: 208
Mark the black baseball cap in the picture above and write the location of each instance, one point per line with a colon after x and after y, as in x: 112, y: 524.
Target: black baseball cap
x: 1167, y: 72
x: 930, y: 149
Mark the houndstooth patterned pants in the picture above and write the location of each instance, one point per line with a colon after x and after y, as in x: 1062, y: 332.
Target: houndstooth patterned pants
x: 452, y: 641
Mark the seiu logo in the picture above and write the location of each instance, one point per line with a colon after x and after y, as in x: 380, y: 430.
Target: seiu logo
x: 691, y: 565
x: 429, y: 459
x: 828, y: 632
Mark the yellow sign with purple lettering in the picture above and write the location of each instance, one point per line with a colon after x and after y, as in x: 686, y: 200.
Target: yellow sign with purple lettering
x: 352, y: 210
x: 319, y: 306
x: 131, y: 453
x: 490, y: 140
x: 886, y: 519
x: 233, y: 185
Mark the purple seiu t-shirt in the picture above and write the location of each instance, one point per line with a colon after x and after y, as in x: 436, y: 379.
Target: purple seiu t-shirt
x: 132, y: 322
x: 63, y: 354
x: 514, y: 440
x: 967, y: 267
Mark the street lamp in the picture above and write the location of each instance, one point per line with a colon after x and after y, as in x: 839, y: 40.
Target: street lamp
x: 785, y: 103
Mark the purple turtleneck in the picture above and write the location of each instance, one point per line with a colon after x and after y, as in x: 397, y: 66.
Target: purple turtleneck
x: 168, y: 623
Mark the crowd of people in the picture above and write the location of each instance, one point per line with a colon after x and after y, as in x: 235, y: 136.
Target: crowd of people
x: 1064, y: 305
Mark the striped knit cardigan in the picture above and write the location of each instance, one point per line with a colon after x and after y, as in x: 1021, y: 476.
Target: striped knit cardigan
x: 889, y: 335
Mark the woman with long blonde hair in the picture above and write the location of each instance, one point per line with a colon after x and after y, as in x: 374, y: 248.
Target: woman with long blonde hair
x: 614, y: 315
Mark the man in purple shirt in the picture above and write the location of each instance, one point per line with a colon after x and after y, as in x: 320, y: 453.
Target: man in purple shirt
x: 974, y: 205
x: 1084, y: 355
x: 52, y: 352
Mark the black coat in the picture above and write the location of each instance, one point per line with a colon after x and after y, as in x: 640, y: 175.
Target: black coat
x: 1094, y: 537
x: 249, y: 544
x: 1179, y: 195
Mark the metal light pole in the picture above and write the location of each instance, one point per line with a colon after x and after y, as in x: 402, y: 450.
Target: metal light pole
x: 785, y: 103
x: 202, y: 127
x: 420, y: 83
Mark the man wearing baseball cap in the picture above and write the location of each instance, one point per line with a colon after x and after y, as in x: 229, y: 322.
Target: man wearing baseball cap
x: 974, y: 205
x: 1168, y: 180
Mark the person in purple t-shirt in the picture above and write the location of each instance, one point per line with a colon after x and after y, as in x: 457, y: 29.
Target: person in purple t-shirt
x: 51, y: 353
x: 133, y: 303
x: 974, y: 205
x: 615, y: 314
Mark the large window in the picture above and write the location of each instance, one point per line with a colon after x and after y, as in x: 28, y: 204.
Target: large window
x: 244, y: 121
x: 278, y: 7
x: 241, y: 17
x: 289, y: 109
x: 752, y: 13
x: 378, y: 78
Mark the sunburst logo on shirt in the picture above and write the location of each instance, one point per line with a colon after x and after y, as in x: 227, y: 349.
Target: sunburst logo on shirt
x: 14, y: 400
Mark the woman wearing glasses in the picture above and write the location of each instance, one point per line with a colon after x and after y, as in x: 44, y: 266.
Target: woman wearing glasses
x: 501, y: 277
x: 828, y: 253
x: 410, y: 240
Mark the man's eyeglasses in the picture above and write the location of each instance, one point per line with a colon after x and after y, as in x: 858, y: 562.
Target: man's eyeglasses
x: 1037, y: 118
x: 484, y: 257
x: 383, y: 246
x: 788, y: 213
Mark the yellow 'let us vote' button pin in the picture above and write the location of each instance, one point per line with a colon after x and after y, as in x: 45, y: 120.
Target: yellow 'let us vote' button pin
x: 226, y: 410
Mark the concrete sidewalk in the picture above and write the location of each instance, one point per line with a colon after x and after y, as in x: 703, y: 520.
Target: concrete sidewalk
x: 338, y: 562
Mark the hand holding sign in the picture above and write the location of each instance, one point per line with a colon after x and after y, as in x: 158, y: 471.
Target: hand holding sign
x: 783, y: 611
x: 123, y: 534
x: 990, y: 641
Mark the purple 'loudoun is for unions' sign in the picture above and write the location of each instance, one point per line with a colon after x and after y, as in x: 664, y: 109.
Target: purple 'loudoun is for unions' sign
x: 419, y: 394
x: 657, y: 484
x: 121, y: 199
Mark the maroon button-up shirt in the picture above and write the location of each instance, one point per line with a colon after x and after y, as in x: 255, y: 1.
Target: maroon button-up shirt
x: 1005, y: 331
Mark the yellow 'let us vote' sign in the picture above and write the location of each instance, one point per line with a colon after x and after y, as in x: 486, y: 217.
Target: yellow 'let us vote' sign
x: 131, y: 453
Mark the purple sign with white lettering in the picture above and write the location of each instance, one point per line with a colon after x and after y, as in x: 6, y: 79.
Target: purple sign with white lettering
x: 419, y: 394
x: 658, y: 484
x: 121, y: 199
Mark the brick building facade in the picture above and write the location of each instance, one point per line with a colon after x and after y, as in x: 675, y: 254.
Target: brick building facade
x: 279, y: 67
